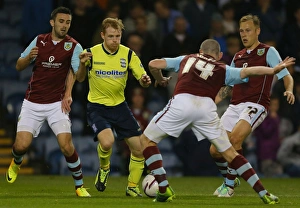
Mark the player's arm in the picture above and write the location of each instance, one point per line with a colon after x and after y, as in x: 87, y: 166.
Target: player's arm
x: 227, y: 89
x: 85, y: 58
x: 155, y: 67
x: 262, y: 70
x: 145, y: 80
x: 71, y: 78
x: 289, y: 85
x: 138, y: 70
x: 67, y: 99
x: 240, y: 75
x: 168, y: 64
x: 27, y: 56
x: 273, y: 58
x: 223, y: 93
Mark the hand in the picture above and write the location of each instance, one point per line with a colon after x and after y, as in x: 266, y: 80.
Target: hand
x: 288, y: 61
x: 33, y: 53
x: 289, y: 97
x: 85, y: 56
x: 145, y: 80
x: 164, y: 82
x: 66, y: 104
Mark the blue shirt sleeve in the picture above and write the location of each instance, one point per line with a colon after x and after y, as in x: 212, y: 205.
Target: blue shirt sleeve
x: 173, y: 63
x: 273, y: 58
x: 28, y: 49
x: 233, y: 76
x: 75, y: 57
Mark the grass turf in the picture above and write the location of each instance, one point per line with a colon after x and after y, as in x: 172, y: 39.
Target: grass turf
x: 58, y: 191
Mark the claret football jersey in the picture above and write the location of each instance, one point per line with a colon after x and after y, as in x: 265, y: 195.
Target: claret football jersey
x: 52, y: 64
x: 258, y: 88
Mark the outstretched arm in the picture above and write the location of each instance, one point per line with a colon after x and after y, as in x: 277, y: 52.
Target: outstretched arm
x: 155, y: 67
x: 262, y: 70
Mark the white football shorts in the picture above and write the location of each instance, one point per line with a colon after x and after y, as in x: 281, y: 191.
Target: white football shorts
x: 33, y: 115
x: 253, y: 113
x: 186, y: 110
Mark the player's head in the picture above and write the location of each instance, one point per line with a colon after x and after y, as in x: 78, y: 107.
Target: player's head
x: 211, y: 47
x: 60, y: 21
x: 111, y: 33
x: 249, y: 30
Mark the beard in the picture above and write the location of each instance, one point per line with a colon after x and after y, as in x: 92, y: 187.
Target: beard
x: 60, y: 34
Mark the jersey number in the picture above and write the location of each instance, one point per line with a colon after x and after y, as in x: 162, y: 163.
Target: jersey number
x: 251, y: 111
x: 204, y: 67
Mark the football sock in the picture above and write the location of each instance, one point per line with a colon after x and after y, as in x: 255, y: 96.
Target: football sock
x: 154, y: 163
x: 18, y: 158
x: 231, y: 173
x: 222, y: 166
x: 240, y: 151
x: 104, y: 157
x: 136, y: 168
x: 74, y: 166
x: 245, y: 170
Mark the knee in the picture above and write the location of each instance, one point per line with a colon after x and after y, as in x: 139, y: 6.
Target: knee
x: 20, y: 148
x: 236, y: 140
x: 239, y: 134
x: 22, y: 143
x: 146, y: 142
x: 137, y: 153
x: 67, y: 149
x: 213, y: 152
x: 136, y: 150
x: 106, y: 145
x: 106, y: 140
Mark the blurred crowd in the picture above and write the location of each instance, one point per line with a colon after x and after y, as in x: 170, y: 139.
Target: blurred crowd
x: 169, y: 28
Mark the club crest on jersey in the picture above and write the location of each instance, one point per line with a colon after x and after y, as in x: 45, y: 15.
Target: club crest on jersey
x: 123, y: 63
x: 260, y: 52
x: 68, y: 46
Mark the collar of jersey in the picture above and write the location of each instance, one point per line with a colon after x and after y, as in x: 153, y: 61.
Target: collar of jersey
x: 108, y: 52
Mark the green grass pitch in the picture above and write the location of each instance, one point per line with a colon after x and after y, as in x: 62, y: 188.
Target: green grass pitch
x: 58, y: 191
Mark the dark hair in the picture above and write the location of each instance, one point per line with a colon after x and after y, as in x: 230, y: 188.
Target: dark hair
x: 210, y: 46
x: 61, y: 9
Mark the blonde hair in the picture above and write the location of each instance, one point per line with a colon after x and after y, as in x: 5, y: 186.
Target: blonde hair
x: 250, y: 17
x: 112, y: 22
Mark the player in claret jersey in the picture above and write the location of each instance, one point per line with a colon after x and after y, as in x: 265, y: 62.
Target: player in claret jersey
x: 200, y: 77
x: 250, y: 101
x: 48, y: 96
